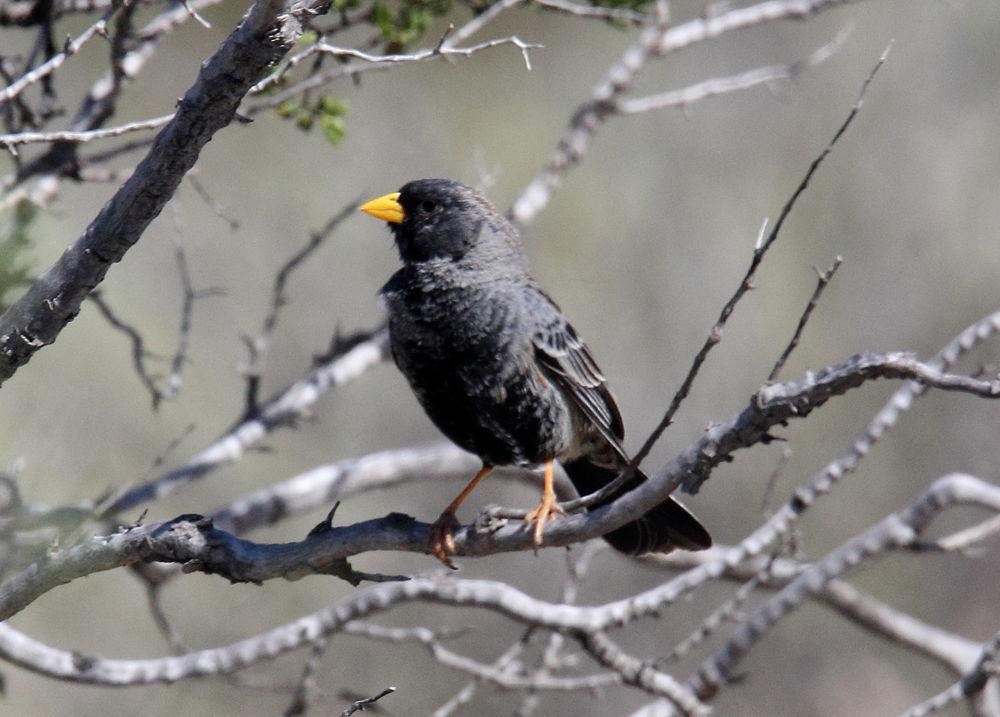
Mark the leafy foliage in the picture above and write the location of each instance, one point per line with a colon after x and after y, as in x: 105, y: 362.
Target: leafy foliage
x: 326, y: 110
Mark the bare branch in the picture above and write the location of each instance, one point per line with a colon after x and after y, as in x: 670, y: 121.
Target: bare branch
x: 185, y: 540
x: 181, y: 535
x: 444, y: 49
x: 99, y: 104
x: 715, y: 335
x: 823, y: 278
x: 964, y: 540
x: 464, y: 696
x: 171, y: 389
x: 641, y: 674
x: 822, y: 483
x: 775, y: 404
x: 654, y: 41
x: 216, y: 207
x: 189, y: 297
x: 304, y: 691
x: 503, y: 676
x: 954, y: 652
x: 282, y: 410
x: 329, y: 483
x: 56, y: 61
x: 972, y: 683
x: 898, y: 530
x: 617, y: 14
x: 35, y: 320
x: 258, y: 344
x: 361, y: 704
x: 139, y: 352
x: 725, y: 85
x: 12, y: 140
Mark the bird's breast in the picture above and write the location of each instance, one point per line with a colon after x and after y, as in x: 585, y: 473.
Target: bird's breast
x: 468, y: 354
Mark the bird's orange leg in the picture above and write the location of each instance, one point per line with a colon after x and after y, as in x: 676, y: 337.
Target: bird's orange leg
x: 547, y: 509
x: 441, y: 540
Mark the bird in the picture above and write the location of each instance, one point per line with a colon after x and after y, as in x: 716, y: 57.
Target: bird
x: 499, y: 369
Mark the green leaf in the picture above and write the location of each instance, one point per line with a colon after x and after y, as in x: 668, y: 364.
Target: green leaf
x: 287, y: 108
x: 333, y: 128
x: 329, y: 105
x: 304, y: 119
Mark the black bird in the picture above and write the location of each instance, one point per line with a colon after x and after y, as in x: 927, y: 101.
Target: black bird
x: 497, y: 366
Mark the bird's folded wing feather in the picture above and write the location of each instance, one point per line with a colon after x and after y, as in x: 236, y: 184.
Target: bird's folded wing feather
x: 569, y: 363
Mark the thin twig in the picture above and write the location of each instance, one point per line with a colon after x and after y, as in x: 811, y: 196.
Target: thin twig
x: 725, y: 85
x: 257, y: 346
x: 56, y: 61
x: 443, y: 49
x: 823, y: 278
x: 964, y: 541
x: 173, y: 385
x: 656, y: 40
x: 12, y: 140
x: 305, y: 690
x: 139, y: 352
x: 715, y: 335
x: 215, y: 206
x: 616, y: 14
x: 283, y: 410
x: 361, y: 704
x: 316, y: 240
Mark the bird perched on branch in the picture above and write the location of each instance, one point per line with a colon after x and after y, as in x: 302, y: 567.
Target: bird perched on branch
x: 497, y: 366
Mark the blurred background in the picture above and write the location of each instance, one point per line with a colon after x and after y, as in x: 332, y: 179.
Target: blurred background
x: 641, y: 245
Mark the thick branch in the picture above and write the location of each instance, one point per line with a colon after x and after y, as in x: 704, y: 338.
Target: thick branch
x: 195, y: 542
x: 182, y: 535
x: 266, y: 33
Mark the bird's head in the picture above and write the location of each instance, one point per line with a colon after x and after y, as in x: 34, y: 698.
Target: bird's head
x: 438, y: 219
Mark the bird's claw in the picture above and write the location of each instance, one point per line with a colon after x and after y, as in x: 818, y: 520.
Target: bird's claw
x: 441, y: 538
x: 546, y: 512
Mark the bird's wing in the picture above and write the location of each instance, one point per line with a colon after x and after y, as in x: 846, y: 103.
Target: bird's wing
x: 569, y: 363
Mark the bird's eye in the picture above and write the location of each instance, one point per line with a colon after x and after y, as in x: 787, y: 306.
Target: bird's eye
x: 427, y: 206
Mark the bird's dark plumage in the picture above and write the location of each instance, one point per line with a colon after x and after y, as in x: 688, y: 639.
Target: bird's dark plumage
x: 495, y: 363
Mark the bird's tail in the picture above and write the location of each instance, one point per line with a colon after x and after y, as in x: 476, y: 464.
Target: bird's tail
x: 667, y: 526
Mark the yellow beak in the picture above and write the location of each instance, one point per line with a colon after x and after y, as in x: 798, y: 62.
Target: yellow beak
x: 386, y: 208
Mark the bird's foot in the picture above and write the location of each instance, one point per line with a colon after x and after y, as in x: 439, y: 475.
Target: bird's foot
x: 546, y: 512
x: 441, y: 538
